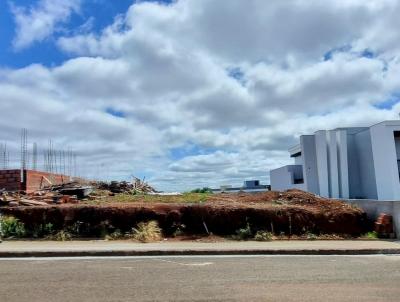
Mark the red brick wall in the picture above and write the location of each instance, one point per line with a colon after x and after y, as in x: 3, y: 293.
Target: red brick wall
x: 33, y: 180
x: 36, y: 180
x: 10, y: 180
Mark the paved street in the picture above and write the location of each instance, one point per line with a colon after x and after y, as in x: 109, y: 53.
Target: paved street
x: 223, y: 278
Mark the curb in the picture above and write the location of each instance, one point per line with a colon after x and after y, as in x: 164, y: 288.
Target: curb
x: 103, y: 253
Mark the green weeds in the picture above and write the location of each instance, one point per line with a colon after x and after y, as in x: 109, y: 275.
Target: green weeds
x: 11, y: 227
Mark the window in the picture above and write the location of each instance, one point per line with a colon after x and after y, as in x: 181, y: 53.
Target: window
x: 298, y: 181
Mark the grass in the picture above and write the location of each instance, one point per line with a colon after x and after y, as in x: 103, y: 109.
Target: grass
x: 127, y: 198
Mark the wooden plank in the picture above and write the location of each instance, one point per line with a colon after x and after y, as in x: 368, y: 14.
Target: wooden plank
x: 46, y: 179
x: 32, y: 202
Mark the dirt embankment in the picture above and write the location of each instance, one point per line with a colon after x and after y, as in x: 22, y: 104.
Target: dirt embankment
x: 291, y: 212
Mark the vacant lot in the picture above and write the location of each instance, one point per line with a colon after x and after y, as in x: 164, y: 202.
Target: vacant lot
x: 287, y: 213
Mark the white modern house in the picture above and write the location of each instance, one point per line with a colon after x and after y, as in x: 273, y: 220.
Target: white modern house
x: 356, y: 162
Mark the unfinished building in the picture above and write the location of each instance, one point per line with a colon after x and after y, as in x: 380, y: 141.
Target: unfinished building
x: 28, y: 181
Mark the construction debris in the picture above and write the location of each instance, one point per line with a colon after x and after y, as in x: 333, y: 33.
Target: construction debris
x: 72, y: 192
x: 137, y: 186
x: 54, y: 194
x: 384, y: 226
x: 73, y: 189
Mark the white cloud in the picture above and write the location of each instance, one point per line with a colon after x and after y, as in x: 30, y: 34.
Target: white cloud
x: 167, y: 69
x: 36, y: 23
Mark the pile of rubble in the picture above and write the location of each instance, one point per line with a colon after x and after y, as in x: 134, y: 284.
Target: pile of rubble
x: 137, y: 186
x: 384, y: 226
x: 56, y: 194
x: 73, y: 192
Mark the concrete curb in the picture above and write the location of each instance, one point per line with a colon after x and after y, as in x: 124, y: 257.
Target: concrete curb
x: 104, y: 253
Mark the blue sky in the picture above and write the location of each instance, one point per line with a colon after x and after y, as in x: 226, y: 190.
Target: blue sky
x: 103, y: 13
x: 192, y: 93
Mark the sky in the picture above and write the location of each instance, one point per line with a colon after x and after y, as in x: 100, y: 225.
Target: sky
x: 191, y: 93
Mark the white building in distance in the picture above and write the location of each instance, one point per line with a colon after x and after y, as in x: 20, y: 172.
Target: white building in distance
x: 356, y: 162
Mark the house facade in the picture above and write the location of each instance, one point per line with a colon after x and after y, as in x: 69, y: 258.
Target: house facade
x: 355, y: 162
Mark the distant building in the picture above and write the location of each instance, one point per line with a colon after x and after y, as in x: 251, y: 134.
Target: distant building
x: 251, y: 184
x: 248, y: 186
x: 356, y: 162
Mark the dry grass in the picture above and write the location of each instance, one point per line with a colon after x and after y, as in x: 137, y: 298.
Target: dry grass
x: 147, y: 232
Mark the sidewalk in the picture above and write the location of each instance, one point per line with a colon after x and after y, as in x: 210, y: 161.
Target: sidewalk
x: 9, y: 249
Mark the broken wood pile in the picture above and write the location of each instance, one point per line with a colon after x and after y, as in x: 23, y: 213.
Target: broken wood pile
x: 137, y: 186
x: 54, y: 194
x: 35, y: 199
x: 140, y: 186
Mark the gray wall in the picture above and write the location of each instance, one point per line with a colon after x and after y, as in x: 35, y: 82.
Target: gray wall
x: 283, y: 178
x: 343, y: 164
x: 366, y: 165
x: 310, y: 170
x: 333, y: 164
x: 354, y: 169
x: 298, y: 160
x: 385, y: 160
x: 321, y: 148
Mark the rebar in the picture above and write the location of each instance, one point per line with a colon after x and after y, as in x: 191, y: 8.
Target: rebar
x: 4, y: 156
x: 34, y: 156
x: 24, y: 148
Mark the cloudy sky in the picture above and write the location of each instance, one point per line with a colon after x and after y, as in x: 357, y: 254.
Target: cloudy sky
x: 192, y: 93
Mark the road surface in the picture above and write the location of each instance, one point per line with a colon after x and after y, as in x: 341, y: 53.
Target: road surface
x: 202, y: 278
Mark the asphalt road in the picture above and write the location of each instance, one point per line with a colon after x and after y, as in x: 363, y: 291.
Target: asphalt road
x: 261, y: 278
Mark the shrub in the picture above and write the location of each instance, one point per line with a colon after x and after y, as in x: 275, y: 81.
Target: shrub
x: 61, y: 236
x: 147, y: 231
x: 371, y: 235
x: 263, y: 236
x: 311, y: 236
x: 201, y: 190
x: 12, y: 227
x: 244, y: 233
x: 42, y: 230
x: 117, y: 234
x: 179, y: 230
x: 48, y: 228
